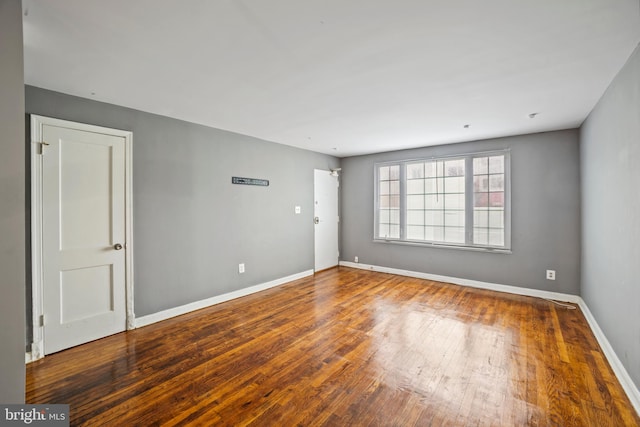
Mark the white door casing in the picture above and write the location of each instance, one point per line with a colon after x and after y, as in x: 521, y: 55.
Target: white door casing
x: 81, y: 232
x: 326, y: 219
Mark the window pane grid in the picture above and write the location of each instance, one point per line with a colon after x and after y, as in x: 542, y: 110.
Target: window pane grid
x: 434, y: 201
x: 488, y: 200
x: 388, y: 202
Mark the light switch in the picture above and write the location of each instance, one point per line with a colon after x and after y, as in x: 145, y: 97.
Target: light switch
x: 298, y: 210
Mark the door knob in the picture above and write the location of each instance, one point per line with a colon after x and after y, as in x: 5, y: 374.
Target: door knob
x: 117, y: 246
x: 316, y: 220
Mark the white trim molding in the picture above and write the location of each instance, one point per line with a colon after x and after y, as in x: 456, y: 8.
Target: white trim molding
x: 616, y: 364
x: 197, y: 305
x: 618, y: 368
x: 37, y: 124
x: 470, y: 283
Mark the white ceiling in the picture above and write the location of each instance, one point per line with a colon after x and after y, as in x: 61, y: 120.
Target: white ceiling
x: 342, y: 77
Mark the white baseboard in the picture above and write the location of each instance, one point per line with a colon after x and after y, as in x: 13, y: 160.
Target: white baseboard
x: 36, y: 352
x: 618, y: 368
x: 616, y: 364
x: 197, y: 305
x: 466, y: 282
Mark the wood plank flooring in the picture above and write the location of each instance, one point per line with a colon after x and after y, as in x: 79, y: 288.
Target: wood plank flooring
x: 345, y: 347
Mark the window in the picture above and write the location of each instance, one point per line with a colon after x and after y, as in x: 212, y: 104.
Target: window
x: 489, y: 201
x: 389, y: 202
x: 453, y: 201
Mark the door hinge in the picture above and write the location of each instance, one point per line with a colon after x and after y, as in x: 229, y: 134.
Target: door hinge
x: 42, y: 320
x: 41, y: 146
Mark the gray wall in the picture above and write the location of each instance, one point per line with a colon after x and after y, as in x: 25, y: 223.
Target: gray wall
x: 610, y: 151
x: 12, y: 204
x: 545, y: 224
x: 192, y: 227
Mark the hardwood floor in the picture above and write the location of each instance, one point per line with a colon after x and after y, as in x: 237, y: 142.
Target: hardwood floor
x: 345, y: 347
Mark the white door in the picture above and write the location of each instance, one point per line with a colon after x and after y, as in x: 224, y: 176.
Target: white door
x: 83, y: 235
x: 325, y: 219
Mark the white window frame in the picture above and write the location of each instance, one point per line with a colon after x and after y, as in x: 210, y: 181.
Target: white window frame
x: 469, y: 202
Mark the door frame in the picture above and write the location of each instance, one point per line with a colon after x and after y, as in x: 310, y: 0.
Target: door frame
x: 37, y: 282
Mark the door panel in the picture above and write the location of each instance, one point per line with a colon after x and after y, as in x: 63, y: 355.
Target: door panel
x: 83, y: 217
x: 85, y: 293
x: 326, y: 219
x: 85, y: 198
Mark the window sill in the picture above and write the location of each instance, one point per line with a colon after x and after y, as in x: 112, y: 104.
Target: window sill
x: 444, y: 246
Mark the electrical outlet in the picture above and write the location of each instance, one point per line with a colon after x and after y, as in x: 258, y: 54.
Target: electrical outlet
x: 241, y: 268
x: 356, y: 259
x: 551, y: 275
